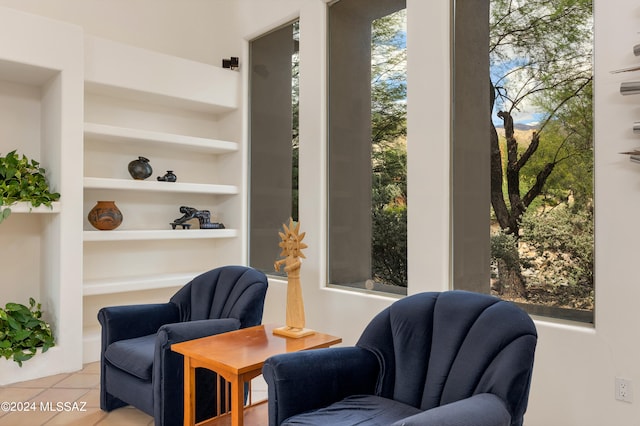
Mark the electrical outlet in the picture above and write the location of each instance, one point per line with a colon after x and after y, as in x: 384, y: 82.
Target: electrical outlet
x: 623, y: 390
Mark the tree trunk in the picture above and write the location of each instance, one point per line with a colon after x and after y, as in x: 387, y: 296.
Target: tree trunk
x: 497, y: 196
x: 511, y: 283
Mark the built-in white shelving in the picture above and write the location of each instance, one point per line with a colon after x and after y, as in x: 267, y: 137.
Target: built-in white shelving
x: 155, y: 186
x: 163, y: 234
x: 117, y: 134
x: 172, y: 111
x: 135, y: 101
x: 128, y: 284
x: 157, y: 78
x: 23, y: 207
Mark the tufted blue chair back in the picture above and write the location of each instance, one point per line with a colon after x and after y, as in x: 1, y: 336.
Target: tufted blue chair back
x: 437, y: 348
x: 227, y: 292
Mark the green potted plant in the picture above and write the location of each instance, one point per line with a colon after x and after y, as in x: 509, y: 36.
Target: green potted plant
x: 22, y: 331
x: 22, y: 179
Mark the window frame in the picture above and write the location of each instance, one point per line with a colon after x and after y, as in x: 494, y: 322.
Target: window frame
x: 470, y: 248
x: 349, y: 223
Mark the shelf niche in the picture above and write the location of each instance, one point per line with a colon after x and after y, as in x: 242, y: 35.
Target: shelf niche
x: 181, y: 115
x: 41, y: 95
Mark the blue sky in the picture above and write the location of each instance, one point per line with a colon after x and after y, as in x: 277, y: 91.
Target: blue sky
x: 527, y: 113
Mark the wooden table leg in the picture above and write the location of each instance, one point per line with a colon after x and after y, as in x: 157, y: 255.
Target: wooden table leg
x: 189, y: 393
x: 237, y: 401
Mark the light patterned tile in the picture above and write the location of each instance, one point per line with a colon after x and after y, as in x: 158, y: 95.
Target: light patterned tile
x: 62, y: 395
x: 31, y: 418
x: 78, y: 380
x: 92, y: 398
x: 77, y: 418
x: 126, y: 416
x: 82, y: 387
x: 18, y: 394
x: 44, y: 382
x: 15, y: 395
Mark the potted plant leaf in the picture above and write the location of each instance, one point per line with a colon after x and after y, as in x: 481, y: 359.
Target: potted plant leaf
x: 22, y: 179
x: 22, y: 331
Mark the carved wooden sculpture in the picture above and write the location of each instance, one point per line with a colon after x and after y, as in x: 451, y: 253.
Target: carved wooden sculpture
x: 292, y: 246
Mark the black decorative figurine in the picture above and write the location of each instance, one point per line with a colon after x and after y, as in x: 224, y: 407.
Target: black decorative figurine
x: 203, y: 216
x: 168, y: 177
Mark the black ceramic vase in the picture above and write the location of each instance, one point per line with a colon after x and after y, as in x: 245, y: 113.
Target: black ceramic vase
x: 168, y: 177
x: 105, y: 216
x: 140, y: 169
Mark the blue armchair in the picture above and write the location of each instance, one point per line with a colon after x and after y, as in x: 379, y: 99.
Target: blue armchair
x: 440, y: 359
x: 137, y: 365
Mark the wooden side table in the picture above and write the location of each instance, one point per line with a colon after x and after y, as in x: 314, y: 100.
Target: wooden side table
x: 238, y: 356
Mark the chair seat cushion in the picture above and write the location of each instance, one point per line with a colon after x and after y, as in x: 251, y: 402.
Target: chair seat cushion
x: 135, y: 356
x: 360, y: 410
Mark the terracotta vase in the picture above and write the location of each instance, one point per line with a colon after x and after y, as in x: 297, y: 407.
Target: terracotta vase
x: 105, y: 216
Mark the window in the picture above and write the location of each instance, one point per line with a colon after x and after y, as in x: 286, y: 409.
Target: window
x: 274, y: 141
x: 523, y: 191
x: 367, y: 241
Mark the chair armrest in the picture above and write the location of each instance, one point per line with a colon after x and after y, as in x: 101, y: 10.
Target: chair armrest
x: 312, y: 379
x: 169, y: 334
x: 168, y: 367
x: 483, y: 409
x: 127, y: 322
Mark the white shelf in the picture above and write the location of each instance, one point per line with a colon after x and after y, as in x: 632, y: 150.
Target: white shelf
x: 25, y: 207
x: 116, y: 134
x: 150, y: 97
x: 158, y: 78
x: 169, y: 234
x: 127, y: 284
x: 150, y: 185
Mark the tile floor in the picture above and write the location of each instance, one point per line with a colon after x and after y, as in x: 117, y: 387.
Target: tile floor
x: 78, y: 395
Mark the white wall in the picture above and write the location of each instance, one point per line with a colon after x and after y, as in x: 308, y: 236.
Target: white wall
x: 190, y: 29
x: 575, y: 365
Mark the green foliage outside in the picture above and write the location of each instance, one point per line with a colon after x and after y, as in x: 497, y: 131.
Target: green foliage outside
x: 542, y: 180
x: 22, y: 331
x: 504, y: 247
x: 389, y: 214
x: 555, y: 253
x: 560, y: 256
x: 389, y: 150
x: 22, y: 179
